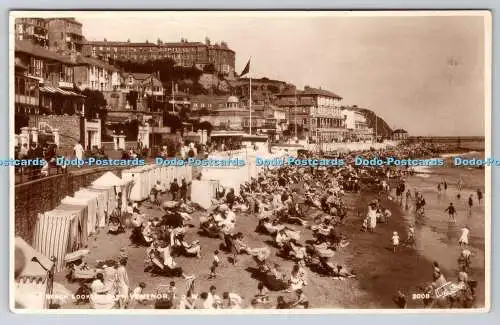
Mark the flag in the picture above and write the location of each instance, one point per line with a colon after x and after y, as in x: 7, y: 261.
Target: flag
x: 246, y: 70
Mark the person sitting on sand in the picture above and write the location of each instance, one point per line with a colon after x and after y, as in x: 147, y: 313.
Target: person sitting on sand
x: 301, y: 300
x: 400, y: 300
x: 464, y: 262
x: 297, y: 278
x: 341, y: 273
x: 232, y: 300
x: 262, y: 293
x: 281, y: 303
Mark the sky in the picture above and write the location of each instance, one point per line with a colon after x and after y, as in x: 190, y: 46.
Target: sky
x: 425, y: 74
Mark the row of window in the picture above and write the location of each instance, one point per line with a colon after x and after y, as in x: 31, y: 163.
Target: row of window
x: 162, y: 49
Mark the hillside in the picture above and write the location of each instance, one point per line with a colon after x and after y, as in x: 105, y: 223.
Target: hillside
x: 376, y: 122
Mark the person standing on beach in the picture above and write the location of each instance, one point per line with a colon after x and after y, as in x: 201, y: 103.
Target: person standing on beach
x: 387, y: 215
x: 408, y: 197
x: 445, y: 185
x: 411, y: 236
x: 471, y: 203
x: 451, y: 212
x: 464, y: 238
x: 395, y: 241
x: 479, y: 196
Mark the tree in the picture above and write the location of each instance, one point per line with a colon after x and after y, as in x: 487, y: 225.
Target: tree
x: 20, y: 121
x: 132, y: 97
x: 209, y: 68
x: 205, y: 125
x: 172, y: 121
x: 95, y: 103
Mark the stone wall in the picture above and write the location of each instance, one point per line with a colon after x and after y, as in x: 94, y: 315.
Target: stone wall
x: 46, y: 194
x: 70, y: 129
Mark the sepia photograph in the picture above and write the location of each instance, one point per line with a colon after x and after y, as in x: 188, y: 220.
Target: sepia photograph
x: 247, y: 161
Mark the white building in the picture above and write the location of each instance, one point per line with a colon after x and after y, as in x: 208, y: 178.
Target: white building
x: 356, y: 124
x: 94, y: 74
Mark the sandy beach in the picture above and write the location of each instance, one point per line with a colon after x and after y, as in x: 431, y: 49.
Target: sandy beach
x: 380, y: 272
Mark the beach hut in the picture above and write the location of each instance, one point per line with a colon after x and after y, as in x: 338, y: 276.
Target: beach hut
x: 34, y: 276
x: 91, y: 203
x: 100, y: 199
x: 114, y: 185
x: 202, y: 192
x: 53, y: 235
x: 139, y: 178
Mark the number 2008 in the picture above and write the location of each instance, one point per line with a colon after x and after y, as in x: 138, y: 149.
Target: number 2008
x: 417, y: 296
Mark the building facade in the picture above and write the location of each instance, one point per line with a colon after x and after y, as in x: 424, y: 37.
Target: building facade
x: 184, y: 53
x: 315, y: 112
x: 224, y: 112
x: 46, y: 102
x: 93, y: 74
x: 65, y: 35
x: 34, y: 30
x: 55, y: 77
x: 356, y: 125
x: 399, y: 134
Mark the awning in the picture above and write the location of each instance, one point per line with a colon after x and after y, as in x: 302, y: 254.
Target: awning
x: 56, y: 90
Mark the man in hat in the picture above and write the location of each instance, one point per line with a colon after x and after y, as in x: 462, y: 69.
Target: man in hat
x: 174, y: 189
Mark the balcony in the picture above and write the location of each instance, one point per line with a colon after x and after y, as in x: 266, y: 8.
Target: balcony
x: 330, y: 129
x: 27, y: 100
x: 65, y: 84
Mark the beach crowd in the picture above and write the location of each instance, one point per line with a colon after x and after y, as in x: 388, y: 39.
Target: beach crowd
x: 284, y: 202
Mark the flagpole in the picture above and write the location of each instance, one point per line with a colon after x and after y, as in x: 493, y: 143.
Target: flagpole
x: 250, y: 104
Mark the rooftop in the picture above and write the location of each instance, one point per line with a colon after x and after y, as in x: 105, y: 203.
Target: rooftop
x: 95, y: 62
x: 320, y: 92
x: 25, y: 46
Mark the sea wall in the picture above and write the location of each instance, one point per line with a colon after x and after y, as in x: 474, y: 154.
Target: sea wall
x: 45, y: 194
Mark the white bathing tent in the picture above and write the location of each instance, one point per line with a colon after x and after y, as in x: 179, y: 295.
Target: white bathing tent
x: 110, y: 180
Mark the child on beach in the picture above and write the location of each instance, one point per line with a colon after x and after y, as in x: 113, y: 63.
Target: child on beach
x: 216, y: 258
x: 137, y: 296
x: 364, y: 227
x: 172, y: 291
x: 410, y: 241
x: 451, y: 212
x: 395, y: 241
x: 387, y: 215
x: 123, y: 254
x: 213, y: 270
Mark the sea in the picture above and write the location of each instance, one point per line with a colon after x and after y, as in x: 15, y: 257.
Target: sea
x: 437, y: 238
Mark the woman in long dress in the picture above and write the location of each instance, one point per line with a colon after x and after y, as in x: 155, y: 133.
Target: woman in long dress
x: 464, y: 238
x: 122, y: 283
x: 372, y: 216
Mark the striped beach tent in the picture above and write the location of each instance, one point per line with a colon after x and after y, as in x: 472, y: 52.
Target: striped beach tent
x: 52, y: 235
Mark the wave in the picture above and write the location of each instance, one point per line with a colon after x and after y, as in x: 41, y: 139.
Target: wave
x: 451, y: 155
